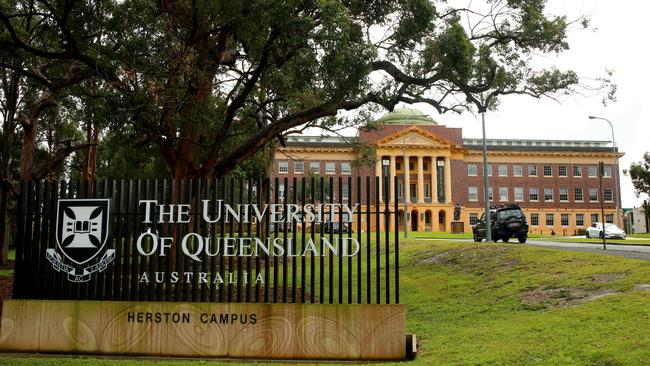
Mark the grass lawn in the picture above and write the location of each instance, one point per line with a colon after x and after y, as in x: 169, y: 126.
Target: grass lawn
x: 643, y: 235
x: 504, y: 304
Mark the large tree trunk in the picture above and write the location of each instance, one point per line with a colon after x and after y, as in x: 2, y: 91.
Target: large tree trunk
x: 30, y: 128
x: 6, y: 191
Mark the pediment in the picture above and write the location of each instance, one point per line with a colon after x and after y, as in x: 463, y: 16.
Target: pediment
x: 415, y: 137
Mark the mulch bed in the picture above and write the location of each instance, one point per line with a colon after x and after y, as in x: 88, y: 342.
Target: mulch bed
x: 6, y: 284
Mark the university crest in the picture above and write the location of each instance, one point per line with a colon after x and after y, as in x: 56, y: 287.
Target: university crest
x: 81, y: 236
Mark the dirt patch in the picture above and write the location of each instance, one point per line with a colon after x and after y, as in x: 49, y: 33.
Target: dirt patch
x: 473, y: 258
x: 642, y: 287
x: 544, y: 297
x: 606, y: 277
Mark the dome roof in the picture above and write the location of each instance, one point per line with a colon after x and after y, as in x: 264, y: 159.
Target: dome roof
x: 406, y: 116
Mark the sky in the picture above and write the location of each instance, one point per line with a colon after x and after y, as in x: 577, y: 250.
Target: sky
x: 615, y: 42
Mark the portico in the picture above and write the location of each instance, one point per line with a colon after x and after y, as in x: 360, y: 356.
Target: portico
x: 421, y: 161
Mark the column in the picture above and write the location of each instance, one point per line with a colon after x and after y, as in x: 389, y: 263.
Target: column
x: 434, y: 182
x: 420, y: 179
x: 392, y: 173
x: 407, y: 181
x: 378, y: 174
x: 448, y: 179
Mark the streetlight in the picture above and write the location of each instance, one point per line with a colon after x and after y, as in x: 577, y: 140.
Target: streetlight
x: 488, y: 224
x: 618, y: 198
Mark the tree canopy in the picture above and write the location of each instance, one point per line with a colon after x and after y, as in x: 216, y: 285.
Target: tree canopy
x: 640, y: 174
x: 204, y: 85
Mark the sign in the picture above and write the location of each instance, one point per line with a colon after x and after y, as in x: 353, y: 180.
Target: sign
x: 232, y: 268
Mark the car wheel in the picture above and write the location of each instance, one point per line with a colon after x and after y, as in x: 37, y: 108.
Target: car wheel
x: 587, y: 235
x: 600, y: 235
x: 476, y: 238
x: 522, y: 239
x: 495, y: 239
x: 505, y: 239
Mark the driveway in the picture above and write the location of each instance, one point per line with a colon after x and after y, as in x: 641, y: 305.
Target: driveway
x: 627, y: 251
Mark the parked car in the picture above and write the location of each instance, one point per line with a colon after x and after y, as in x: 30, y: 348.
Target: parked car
x: 506, y: 221
x: 337, y: 228
x: 611, y: 231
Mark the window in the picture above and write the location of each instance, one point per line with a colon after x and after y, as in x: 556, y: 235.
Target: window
x: 594, y: 218
x: 607, y: 171
x: 411, y: 166
x: 519, y: 194
x: 609, y: 218
x: 562, y: 171
x: 314, y: 167
x: 489, y: 169
x: 532, y: 170
x: 534, y: 219
x: 330, y: 167
x: 346, y: 168
x: 503, y: 194
x: 548, y: 171
x: 577, y: 195
x: 298, y: 167
x: 425, y: 166
x: 472, y: 193
x: 283, y: 166
x: 580, y: 219
x: 593, y: 194
x: 577, y: 171
x: 473, y: 218
x: 564, y: 194
x: 490, y: 193
x: 517, y: 171
x: 533, y: 194
x: 472, y: 170
x: 591, y: 170
x: 609, y: 194
x: 345, y: 191
x: 427, y: 190
x: 548, y: 194
x: 564, y: 219
x: 503, y: 170
x: 398, y: 166
x: 550, y: 219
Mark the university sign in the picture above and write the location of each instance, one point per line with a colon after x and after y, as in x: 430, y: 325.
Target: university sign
x: 220, y: 268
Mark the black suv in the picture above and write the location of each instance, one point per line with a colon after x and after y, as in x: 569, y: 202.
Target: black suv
x: 507, y: 221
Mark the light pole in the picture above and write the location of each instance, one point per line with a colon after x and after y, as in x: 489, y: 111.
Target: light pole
x: 488, y: 224
x: 405, y: 191
x: 616, y: 179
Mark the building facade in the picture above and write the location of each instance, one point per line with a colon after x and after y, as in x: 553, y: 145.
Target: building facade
x: 554, y: 181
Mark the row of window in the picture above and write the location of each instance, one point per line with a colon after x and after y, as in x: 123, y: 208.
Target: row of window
x: 547, y: 170
x: 548, y: 194
x: 565, y: 219
x: 314, y: 167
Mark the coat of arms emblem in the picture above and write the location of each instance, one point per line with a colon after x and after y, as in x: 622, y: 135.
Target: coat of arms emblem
x: 81, y: 236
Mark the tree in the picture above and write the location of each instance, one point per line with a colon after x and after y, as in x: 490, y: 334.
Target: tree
x: 640, y: 174
x: 210, y: 83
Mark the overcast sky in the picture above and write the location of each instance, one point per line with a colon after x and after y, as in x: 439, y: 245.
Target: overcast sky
x: 614, y: 42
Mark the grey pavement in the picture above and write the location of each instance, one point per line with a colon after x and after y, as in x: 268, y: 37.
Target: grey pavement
x: 627, y: 251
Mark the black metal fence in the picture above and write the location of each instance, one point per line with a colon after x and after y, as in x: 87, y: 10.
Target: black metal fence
x: 370, y: 276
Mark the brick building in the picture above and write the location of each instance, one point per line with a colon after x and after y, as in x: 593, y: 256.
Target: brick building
x: 554, y: 181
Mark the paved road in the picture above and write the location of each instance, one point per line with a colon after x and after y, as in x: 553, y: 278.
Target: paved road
x: 627, y: 251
